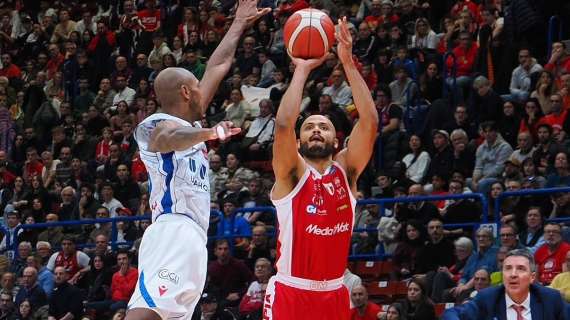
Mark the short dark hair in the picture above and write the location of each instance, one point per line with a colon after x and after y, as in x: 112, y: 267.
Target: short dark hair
x: 220, y: 242
x: 124, y: 251
x: 68, y: 237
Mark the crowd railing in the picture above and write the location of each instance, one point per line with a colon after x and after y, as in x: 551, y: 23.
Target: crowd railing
x: 382, y: 203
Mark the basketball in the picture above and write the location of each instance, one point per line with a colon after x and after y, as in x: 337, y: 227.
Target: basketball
x: 308, y: 34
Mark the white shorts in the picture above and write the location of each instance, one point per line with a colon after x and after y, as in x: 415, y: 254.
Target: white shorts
x: 172, y: 267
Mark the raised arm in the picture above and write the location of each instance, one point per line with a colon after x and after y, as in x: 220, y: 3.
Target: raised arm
x: 356, y: 155
x: 221, y: 59
x: 288, y: 164
x: 169, y: 136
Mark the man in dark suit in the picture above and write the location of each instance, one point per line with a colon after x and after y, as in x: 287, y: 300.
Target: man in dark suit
x: 517, y: 299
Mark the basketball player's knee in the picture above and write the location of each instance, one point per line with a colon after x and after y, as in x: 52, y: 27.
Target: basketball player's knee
x: 142, y: 314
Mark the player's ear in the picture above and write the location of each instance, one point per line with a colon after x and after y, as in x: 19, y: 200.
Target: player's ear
x: 298, y: 144
x: 335, y: 143
x: 185, y: 91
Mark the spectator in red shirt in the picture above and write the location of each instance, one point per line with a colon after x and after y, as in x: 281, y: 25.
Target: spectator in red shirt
x: 559, y: 62
x: 291, y: 6
x: 32, y: 166
x: 363, y: 309
x: 465, y: 54
x: 550, y: 257
x: 55, y: 61
x: 558, y: 115
x: 124, y: 282
x: 9, y: 70
x: 149, y: 22
x: 382, y: 12
x: 252, y: 303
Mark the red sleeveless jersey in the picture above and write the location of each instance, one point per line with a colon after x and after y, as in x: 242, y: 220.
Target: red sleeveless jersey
x: 315, y: 225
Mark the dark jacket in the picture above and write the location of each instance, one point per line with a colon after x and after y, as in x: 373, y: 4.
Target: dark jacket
x: 545, y: 304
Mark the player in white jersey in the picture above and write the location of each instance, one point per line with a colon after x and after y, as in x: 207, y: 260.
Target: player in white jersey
x: 172, y: 255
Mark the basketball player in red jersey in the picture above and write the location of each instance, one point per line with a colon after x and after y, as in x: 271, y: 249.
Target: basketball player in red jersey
x: 313, y: 194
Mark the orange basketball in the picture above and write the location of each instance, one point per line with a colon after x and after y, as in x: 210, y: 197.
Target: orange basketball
x: 308, y: 33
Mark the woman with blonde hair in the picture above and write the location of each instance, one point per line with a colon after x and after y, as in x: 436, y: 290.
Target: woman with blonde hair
x: 424, y: 37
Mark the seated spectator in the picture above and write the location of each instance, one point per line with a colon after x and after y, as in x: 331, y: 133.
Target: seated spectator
x: 67, y: 299
x: 237, y: 171
x: 259, y: 246
x: 402, y: 87
x: 490, y: 158
x: 406, y: 253
x: 20, y: 261
x: 422, y: 211
x: 447, y: 277
x: 561, y: 176
x: 559, y: 62
x: 237, y: 109
x: 339, y: 90
x: 459, y: 210
x: 257, y: 197
x: 562, y: 281
x: 550, y: 257
x: 481, y: 280
x: 102, y: 249
x: 497, y: 276
x: 210, y: 309
x: 363, y: 308
x: 560, y: 205
x: 75, y: 263
x: 463, y: 153
x: 431, y: 83
x: 43, y: 250
x: 123, y: 282
x: 395, y: 311
x: 521, y: 77
x: 403, y: 60
x: 390, y: 118
x: 531, y: 118
x: 462, y: 120
x: 525, y: 149
x: 109, y: 201
x: 31, y: 290
x: 251, y: 305
x: 52, y: 235
x: 533, y: 236
x: 228, y: 226
x: 228, y: 275
x: 8, y: 283
x: 259, y: 136
x: 558, y: 115
x: 545, y: 87
x: 509, y: 237
x: 44, y: 276
x: 350, y: 281
x: 437, y: 251
x: 442, y: 155
x: 417, y: 304
x: 465, y: 53
x: 123, y: 94
x: 417, y: 161
x: 484, y: 257
x: 7, y: 308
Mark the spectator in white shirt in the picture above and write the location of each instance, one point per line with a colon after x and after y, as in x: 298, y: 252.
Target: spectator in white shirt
x: 339, y: 91
x: 521, y: 77
x: 123, y: 91
x: 260, y: 131
x: 109, y: 201
x: 86, y: 23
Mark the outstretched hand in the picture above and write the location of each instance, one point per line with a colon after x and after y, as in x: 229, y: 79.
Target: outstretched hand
x: 224, y: 130
x: 344, y: 38
x: 247, y: 11
x: 308, y: 64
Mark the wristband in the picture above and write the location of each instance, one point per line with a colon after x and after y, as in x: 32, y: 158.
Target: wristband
x: 220, y: 132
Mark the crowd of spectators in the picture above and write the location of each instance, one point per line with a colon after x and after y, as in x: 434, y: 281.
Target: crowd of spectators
x: 76, y: 77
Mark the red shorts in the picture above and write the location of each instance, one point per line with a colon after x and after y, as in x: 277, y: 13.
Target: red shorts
x: 288, y: 302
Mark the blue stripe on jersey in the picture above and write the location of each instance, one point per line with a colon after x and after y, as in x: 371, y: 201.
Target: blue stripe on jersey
x: 168, y: 167
x: 144, y: 292
x: 149, y: 185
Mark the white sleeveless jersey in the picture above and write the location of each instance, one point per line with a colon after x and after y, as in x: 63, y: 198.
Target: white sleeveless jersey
x: 178, y: 180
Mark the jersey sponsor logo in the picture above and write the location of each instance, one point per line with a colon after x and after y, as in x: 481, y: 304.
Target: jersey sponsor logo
x: 312, y: 209
x: 340, y: 189
x: 340, y: 227
x: 318, y: 200
x: 170, y: 276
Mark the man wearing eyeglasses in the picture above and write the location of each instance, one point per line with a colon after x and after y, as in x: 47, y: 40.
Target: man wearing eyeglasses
x: 551, y: 256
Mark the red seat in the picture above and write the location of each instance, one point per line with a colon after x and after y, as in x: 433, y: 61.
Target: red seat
x: 368, y: 269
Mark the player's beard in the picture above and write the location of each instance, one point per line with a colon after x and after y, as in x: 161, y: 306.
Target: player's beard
x: 316, y: 152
